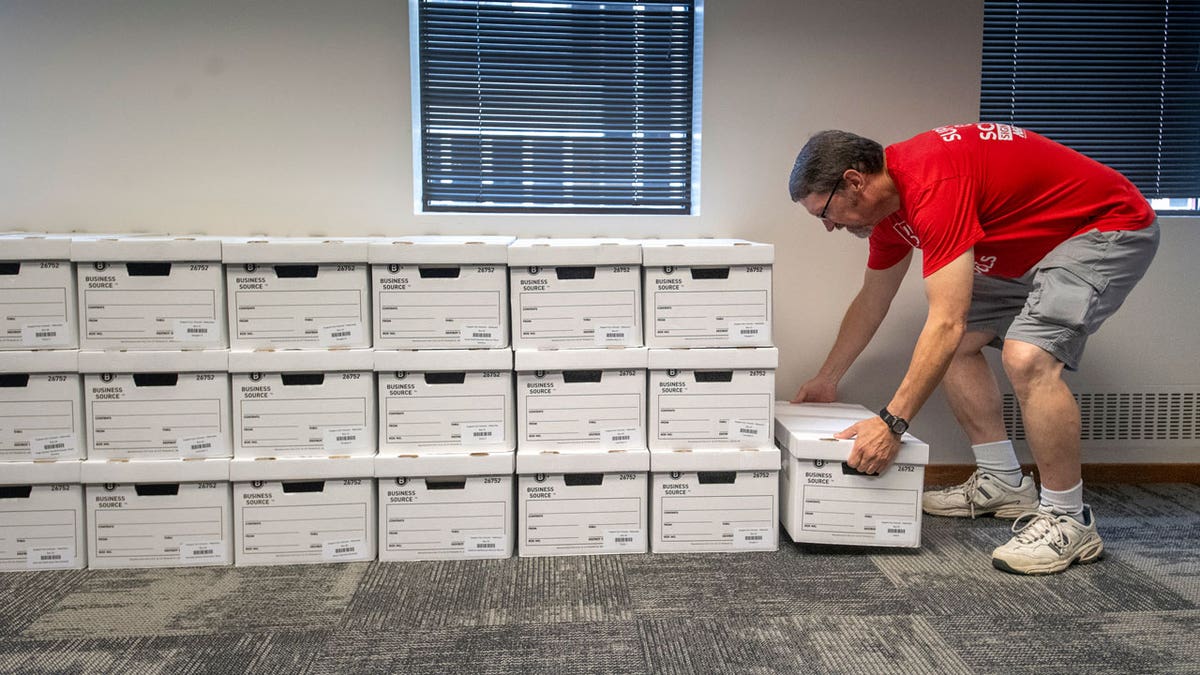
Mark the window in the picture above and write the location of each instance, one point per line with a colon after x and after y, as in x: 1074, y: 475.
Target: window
x: 556, y: 107
x: 1117, y: 80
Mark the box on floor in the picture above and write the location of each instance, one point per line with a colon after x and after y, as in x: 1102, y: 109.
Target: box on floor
x: 41, y: 516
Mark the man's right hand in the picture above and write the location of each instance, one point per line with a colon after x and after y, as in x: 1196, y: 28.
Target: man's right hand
x: 817, y: 390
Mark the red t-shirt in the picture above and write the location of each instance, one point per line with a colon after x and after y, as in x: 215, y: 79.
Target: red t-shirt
x: 1012, y: 194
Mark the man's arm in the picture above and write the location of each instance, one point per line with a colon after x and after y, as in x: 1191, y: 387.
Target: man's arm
x: 862, y: 319
x: 949, y: 293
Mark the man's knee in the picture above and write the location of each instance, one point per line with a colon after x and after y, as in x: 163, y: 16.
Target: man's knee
x: 1026, y: 364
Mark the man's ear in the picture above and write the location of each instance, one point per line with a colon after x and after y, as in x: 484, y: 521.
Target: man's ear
x: 855, y: 179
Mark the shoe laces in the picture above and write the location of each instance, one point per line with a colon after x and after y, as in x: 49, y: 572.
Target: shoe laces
x: 970, y: 489
x: 1038, y: 525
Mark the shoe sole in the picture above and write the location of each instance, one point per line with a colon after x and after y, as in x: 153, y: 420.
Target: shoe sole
x: 1005, y: 512
x: 1086, y: 557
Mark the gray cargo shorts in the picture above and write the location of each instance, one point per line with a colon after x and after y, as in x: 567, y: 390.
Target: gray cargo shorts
x: 1065, y: 297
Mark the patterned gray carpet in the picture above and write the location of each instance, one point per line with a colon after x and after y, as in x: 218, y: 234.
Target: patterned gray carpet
x: 942, y: 609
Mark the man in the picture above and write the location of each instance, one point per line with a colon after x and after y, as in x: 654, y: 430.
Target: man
x: 1026, y: 245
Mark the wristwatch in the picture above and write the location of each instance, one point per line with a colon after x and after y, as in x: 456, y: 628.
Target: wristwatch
x: 898, y: 425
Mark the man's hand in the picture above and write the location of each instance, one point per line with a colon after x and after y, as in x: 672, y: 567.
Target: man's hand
x: 816, y: 390
x: 875, y: 446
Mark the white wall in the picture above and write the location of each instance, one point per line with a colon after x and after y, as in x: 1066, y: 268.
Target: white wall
x: 294, y: 118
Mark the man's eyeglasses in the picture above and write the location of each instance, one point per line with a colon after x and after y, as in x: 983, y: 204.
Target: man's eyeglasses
x: 825, y: 210
x: 832, y: 192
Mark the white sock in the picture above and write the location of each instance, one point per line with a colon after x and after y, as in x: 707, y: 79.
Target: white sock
x: 1064, y: 503
x: 1000, y: 460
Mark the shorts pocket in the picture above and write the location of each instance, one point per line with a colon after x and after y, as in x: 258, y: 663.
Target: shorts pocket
x: 1064, y: 297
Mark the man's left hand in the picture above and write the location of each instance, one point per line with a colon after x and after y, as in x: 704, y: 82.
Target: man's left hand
x: 875, y: 446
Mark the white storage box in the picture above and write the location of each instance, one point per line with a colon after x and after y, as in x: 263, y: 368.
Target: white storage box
x: 303, y: 403
x: 575, y: 293
x: 313, y: 510
x: 443, y: 400
x: 707, y: 292
x: 581, y: 398
x: 445, y: 507
x: 164, y: 513
x: 440, y: 292
x: 41, y: 406
x: 141, y: 292
x: 582, y: 502
x: 711, y: 398
x: 297, y: 293
x: 37, y: 292
x: 825, y: 501
x: 41, y: 516
x: 156, y: 405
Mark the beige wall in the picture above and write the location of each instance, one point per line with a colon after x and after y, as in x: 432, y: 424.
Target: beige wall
x: 294, y: 118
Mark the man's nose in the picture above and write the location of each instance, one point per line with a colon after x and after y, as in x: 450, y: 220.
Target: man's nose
x: 829, y: 225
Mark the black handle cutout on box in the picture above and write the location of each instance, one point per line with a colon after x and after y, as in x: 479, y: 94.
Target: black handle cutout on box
x: 302, y: 379
x: 148, y: 269
x: 717, y: 477
x: 710, y: 272
x: 714, y: 376
x: 452, y: 484
x: 10, y: 268
x: 155, y: 379
x: 588, y: 272
x: 14, y: 380
x: 582, y: 479
x: 439, y: 272
x: 15, y: 491
x: 294, y: 486
x: 581, y: 376
x: 296, y: 271
x: 445, y: 378
x: 851, y: 471
x: 156, y: 489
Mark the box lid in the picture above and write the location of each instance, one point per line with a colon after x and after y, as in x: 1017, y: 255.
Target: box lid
x: 714, y: 359
x: 31, y: 246
x: 156, y: 471
x: 582, y: 460
x: 267, y: 250
x: 563, y: 252
x: 199, y: 361
x: 839, y: 410
x: 300, y: 468
x: 812, y: 438
x: 40, y: 472
x: 689, y: 252
x: 301, y: 360
x: 441, y: 250
x: 757, y: 459
x: 612, y: 358
x: 477, y: 463
x: 443, y: 360
x: 54, y: 361
x: 146, y: 247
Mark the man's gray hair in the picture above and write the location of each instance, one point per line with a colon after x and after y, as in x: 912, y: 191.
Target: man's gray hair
x: 826, y: 156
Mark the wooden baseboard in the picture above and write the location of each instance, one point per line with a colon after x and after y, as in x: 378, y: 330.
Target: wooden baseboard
x: 950, y: 474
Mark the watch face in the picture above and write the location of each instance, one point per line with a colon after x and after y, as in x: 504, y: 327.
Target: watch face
x: 899, y: 426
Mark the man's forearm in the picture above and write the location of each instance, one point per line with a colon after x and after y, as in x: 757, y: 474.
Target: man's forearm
x: 863, y: 318
x: 931, y: 357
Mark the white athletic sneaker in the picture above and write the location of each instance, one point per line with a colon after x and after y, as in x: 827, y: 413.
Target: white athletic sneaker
x: 1045, y: 543
x: 982, y: 494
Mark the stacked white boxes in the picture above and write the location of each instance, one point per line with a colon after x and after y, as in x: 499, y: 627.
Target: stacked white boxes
x: 711, y: 396
x: 825, y: 501
x: 445, y: 390
x: 37, y: 293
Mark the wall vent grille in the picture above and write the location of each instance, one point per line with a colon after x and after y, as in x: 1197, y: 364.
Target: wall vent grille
x: 1161, y: 418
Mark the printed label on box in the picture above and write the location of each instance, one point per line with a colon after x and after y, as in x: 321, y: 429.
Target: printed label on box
x: 199, y: 446
x: 340, y: 334
x: 750, y: 537
x: 622, y: 539
x: 746, y: 331
x: 344, y: 549
x: 748, y: 430
x: 343, y: 438
x: 44, y: 334
x: 480, y: 432
x: 895, y: 530
x: 479, y: 334
x: 195, y: 330
x: 614, y: 334
x: 202, y: 551
x: 44, y: 557
x: 619, y: 438
x: 483, y: 545
x: 52, y: 447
